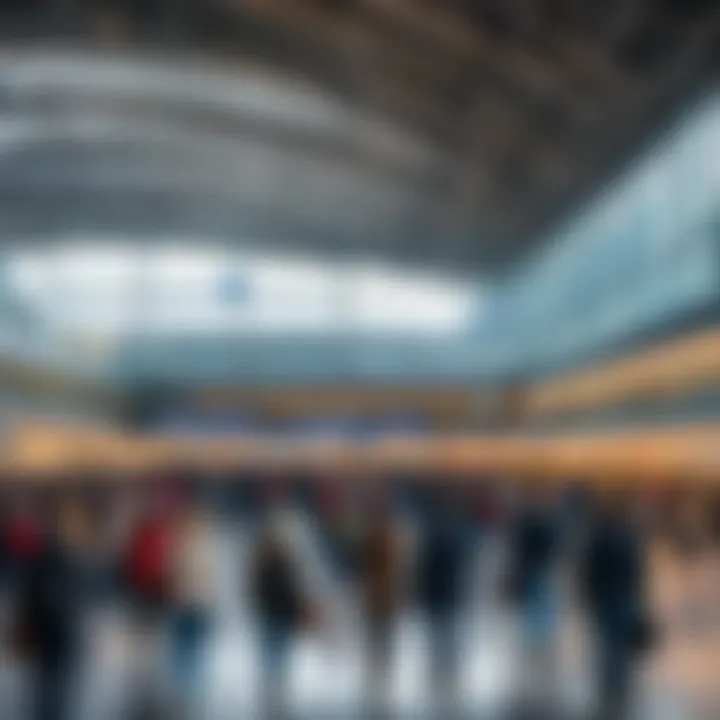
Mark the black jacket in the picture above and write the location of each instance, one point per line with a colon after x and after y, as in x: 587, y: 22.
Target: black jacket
x: 50, y: 604
x: 441, y: 568
x: 275, y: 587
x: 534, y: 550
x: 613, y: 568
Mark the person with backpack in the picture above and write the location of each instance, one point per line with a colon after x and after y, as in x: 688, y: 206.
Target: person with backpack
x: 441, y: 572
x: 280, y: 605
x: 613, y: 578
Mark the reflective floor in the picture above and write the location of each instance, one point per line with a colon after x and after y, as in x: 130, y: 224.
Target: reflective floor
x: 679, y: 682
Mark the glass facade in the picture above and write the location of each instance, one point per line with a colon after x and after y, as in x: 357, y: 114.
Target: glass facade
x: 646, y: 250
x: 120, y: 291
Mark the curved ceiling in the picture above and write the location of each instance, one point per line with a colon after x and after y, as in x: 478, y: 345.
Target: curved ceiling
x: 106, y: 144
x: 443, y: 133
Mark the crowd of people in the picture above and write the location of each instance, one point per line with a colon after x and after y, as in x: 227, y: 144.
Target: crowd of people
x: 385, y: 545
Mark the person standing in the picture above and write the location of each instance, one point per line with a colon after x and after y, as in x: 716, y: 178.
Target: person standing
x: 50, y: 611
x: 146, y: 571
x: 534, y: 589
x: 193, y: 592
x: 614, y: 586
x: 382, y: 579
x: 441, y: 580
x: 280, y: 606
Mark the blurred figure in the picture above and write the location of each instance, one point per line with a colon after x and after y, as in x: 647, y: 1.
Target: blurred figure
x: 112, y: 522
x: 338, y: 527
x: 50, y: 612
x: 441, y: 581
x: 147, y: 584
x: 193, y: 585
x: 280, y: 606
x: 614, y: 579
x: 381, y: 580
x: 534, y: 589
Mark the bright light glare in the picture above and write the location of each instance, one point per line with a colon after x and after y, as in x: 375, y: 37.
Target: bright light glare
x: 112, y: 289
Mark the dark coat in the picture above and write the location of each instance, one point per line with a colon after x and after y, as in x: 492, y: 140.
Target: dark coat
x: 50, y: 604
x: 613, y: 574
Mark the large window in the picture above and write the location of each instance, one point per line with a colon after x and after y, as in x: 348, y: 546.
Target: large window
x: 110, y: 289
x: 647, y: 250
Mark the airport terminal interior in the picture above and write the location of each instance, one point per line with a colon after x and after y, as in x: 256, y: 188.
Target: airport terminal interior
x: 360, y: 359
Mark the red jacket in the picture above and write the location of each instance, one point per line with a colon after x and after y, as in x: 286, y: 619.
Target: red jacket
x: 148, y: 559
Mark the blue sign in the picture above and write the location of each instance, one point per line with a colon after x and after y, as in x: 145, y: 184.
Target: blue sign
x: 233, y: 288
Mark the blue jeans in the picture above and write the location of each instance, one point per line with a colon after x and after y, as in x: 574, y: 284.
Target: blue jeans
x: 275, y: 638
x: 189, y: 632
x: 444, y: 647
x: 52, y: 696
x: 540, y: 612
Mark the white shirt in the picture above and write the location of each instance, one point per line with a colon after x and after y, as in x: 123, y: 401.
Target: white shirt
x: 195, y: 579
